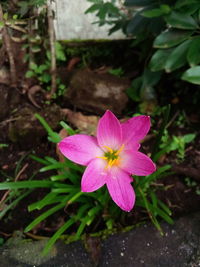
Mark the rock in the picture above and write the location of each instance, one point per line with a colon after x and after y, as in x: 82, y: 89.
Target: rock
x: 140, y: 247
x: 97, y: 92
x: 145, y: 247
x: 86, y: 124
x: 25, y: 129
x: 27, y: 253
x: 24, y: 251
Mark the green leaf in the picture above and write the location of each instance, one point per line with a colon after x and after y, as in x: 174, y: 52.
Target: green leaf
x: 136, y: 24
x: 163, y: 215
x: 40, y: 160
x: 43, y: 216
x: 93, y: 8
x: 59, y: 177
x: 41, y: 68
x: 60, y: 54
x: 43, y: 202
x: 164, y: 207
x: 193, y: 55
x: 171, y: 38
x: 181, y: 3
x: 69, y: 130
x: 58, y: 165
x: 15, y: 16
x: 57, y: 234
x: 54, y: 136
x: 75, y: 197
x: 177, y: 58
x: 159, y: 59
x: 190, y: 10
x: 181, y: 21
x: 94, y: 211
x: 156, y: 12
x: 45, y: 77
x: 14, y: 203
x: 3, y: 145
x: 134, y: 91
x: 33, y: 66
x: 5, y: 16
x: 25, y: 184
x: 138, y: 2
x: 192, y: 75
x: 189, y: 138
x: 150, y: 78
x: 166, y: 113
x: 30, y: 74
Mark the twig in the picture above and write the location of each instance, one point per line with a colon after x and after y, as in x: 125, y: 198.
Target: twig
x: 36, y: 237
x: 16, y: 178
x: 31, y: 93
x: 8, y: 44
x: 173, y: 119
x: 187, y: 171
x: 2, y: 54
x: 52, y: 39
x: 9, y: 120
x: 21, y: 171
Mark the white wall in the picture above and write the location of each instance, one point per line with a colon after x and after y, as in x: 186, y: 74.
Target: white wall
x: 71, y: 22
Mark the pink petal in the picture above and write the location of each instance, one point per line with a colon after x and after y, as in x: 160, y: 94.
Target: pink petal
x: 109, y: 131
x: 94, y: 176
x: 135, y: 162
x: 131, y: 146
x: 120, y: 188
x: 135, y: 129
x: 80, y: 148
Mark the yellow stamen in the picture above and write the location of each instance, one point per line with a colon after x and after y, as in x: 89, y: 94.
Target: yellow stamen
x: 101, y: 157
x: 120, y: 150
x: 112, y: 157
x: 110, y: 162
x: 113, y: 162
x: 109, y: 149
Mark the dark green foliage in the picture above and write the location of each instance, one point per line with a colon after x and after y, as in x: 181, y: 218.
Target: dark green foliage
x: 174, y: 26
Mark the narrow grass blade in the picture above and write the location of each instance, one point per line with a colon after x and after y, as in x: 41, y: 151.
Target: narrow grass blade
x: 43, y: 216
x: 26, y: 184
x: 14, y: 203
x: 161, y: 131
x: 60, y: 231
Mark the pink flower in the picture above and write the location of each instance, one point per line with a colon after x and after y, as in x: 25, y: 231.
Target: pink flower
x: 111, y: 157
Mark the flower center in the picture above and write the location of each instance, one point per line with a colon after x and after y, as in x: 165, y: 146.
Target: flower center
x: 112, y: 156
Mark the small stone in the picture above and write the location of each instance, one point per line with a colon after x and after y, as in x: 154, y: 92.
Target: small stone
x: 97, y: 92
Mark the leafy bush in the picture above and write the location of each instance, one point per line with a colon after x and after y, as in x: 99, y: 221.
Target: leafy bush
x: 169, y: 28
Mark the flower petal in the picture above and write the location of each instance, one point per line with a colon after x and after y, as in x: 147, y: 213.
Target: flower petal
x: 131, y: 146
x: 94, y: 176
x: 135, y: 129
x: 80, y: 148
x: 135, y: 162
x: 120, y: 188
x: 109, y: 131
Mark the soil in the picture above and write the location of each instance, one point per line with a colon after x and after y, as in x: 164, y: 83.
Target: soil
x: 177, y: 194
